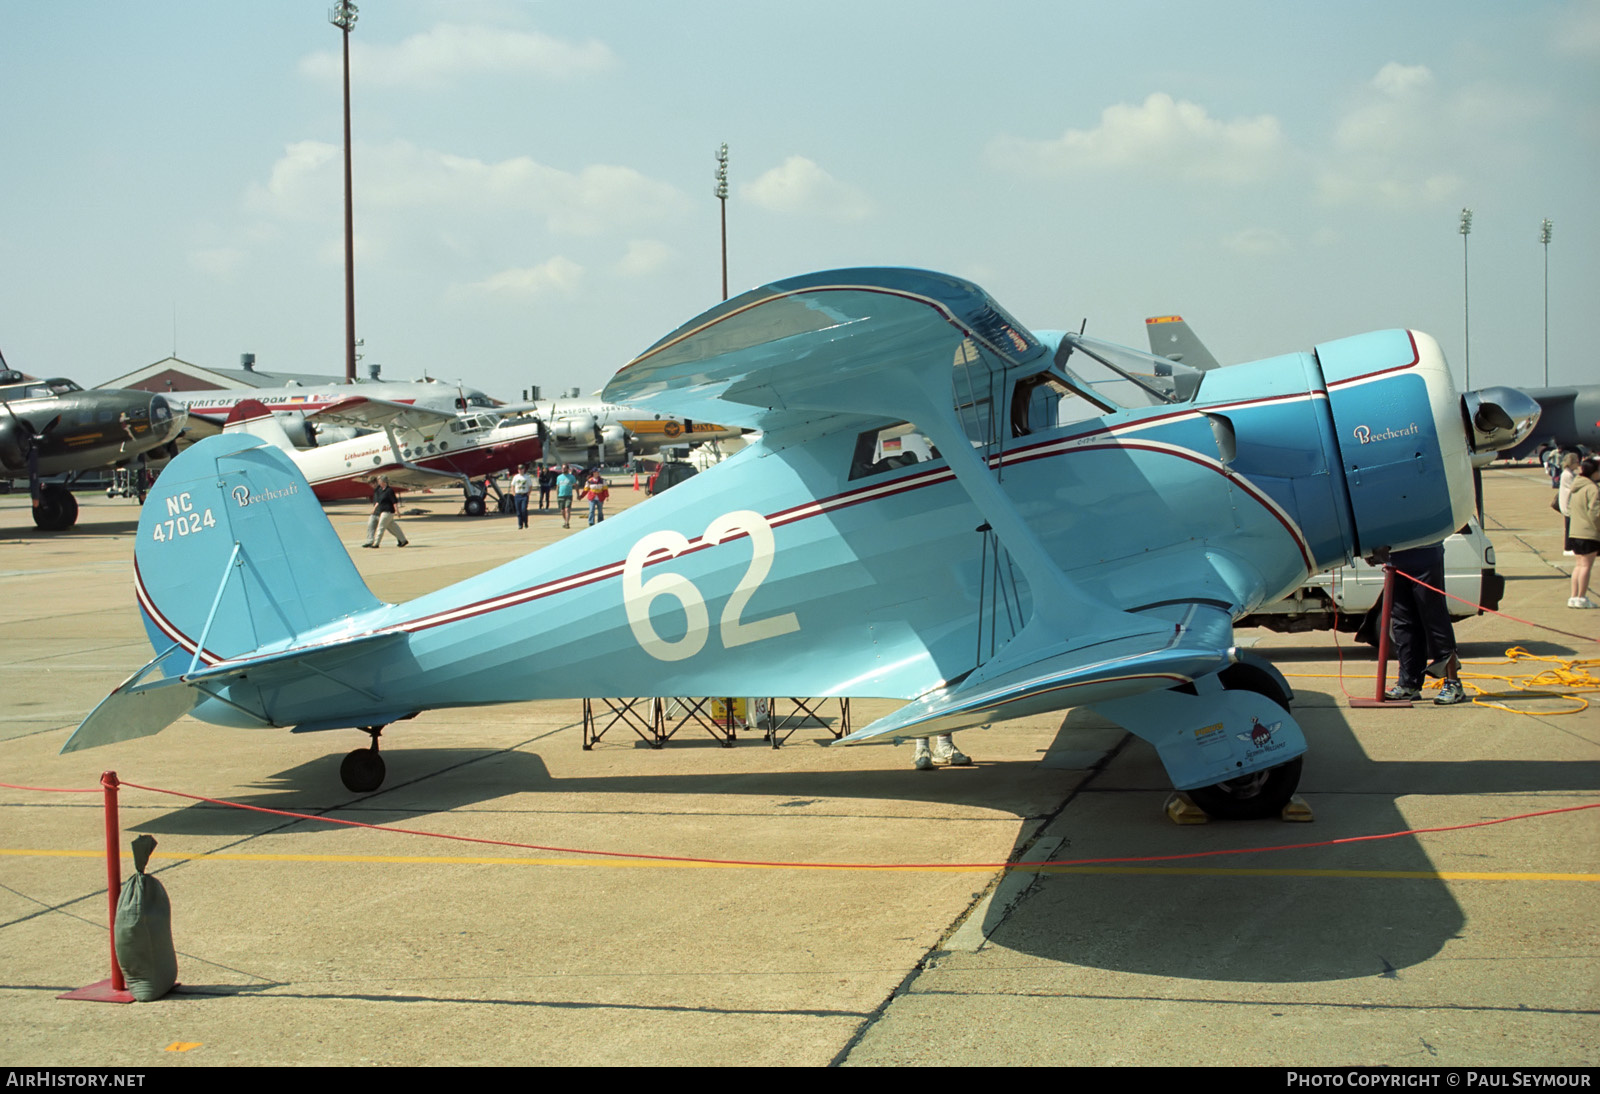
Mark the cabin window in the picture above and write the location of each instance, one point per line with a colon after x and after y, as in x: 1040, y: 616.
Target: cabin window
x: 894, y: 446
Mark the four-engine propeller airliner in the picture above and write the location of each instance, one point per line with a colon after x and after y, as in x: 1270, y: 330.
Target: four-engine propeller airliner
x: 54, y: 426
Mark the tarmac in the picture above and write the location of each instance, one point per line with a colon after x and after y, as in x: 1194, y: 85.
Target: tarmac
x: 867, y: 922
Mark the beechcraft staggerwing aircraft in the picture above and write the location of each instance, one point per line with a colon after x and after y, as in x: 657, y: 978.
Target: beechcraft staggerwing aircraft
x: 1074, y: 536
x: 50, y: 427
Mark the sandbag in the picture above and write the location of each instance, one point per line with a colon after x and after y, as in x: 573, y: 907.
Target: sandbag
x: 144, y: 930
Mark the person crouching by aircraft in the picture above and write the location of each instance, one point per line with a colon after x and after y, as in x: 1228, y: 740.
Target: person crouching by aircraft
x: 595, y: 492
x: 1419, y: 625
x: 383, y: 519
x: 521, y: 487
x: 1583, y: 508
x: 943, y: 752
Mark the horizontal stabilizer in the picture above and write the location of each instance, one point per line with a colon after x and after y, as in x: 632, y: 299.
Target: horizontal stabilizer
x: 134, y: 710
x: 137, y: 709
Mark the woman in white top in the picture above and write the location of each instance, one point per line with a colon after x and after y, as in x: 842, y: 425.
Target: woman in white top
x: 1569, y: 472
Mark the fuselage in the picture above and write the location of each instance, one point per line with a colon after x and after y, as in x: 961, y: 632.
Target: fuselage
x: 473, y: 446
x: 795, y: 562
x: 76, y: 430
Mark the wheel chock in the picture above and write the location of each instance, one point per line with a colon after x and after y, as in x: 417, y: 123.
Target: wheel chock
x: 1180, y: 810
x: 1298, y: 811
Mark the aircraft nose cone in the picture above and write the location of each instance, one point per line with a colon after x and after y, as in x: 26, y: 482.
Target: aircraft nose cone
x: 1499, y: 418
x: 163, y: 418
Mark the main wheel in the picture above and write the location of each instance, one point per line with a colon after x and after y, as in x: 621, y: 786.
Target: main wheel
x: 475, y: 506
x: 57, y: 509
x: 1264, y: 793
x: 1250, y: 797
x: 362, y: 770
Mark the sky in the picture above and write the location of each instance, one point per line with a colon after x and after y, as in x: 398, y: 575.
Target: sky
x: 534, y: 181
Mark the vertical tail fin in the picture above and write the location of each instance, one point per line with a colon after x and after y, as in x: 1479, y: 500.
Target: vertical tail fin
x: 1171, y: 337
x: 252, y: 418
x: 234, y: 554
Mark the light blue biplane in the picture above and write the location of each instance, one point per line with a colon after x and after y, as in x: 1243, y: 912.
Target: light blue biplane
x: 941, y: 506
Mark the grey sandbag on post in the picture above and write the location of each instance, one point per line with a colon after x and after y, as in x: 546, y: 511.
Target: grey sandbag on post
x: 144, y: 930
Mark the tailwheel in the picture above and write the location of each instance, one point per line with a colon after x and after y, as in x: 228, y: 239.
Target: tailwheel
x: 363, y: 770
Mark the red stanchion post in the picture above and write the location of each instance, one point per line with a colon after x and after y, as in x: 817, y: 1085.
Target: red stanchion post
x: 114, y: 990
x: 108, y: 780
x: 1377, y: 699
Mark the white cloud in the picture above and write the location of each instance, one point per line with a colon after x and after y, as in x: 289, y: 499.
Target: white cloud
x: 1170, y: 137
x: 1397, y: 144
x: 450, y: 50
x: 558, y: 275
x: 1578, y: 30
x: 1257, y: 242
x: 429, y: 185
x: 1398, y: 79
x: 217, y: 261
x: 645, y: 256
x: 296, y: 186
x: 799, y: 187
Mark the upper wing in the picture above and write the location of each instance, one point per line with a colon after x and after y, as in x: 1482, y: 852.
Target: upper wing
x: 805, y: 350
x: 359, y: 410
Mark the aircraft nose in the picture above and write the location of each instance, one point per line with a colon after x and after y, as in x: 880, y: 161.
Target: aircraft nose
x: 164, y: 420
x: 1498, y: 418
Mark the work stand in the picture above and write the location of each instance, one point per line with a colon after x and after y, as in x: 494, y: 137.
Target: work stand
x: 657, y: 720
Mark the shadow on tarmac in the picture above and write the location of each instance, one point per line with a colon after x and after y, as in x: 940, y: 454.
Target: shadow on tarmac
x: 1226, y: 918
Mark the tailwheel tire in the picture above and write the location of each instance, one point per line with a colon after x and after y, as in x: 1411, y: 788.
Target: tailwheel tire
x: 1250, y: 797
x: 362, y: 770
x: 57, y: 509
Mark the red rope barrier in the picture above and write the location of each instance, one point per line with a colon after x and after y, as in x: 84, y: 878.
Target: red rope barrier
x: 1502, y: 615
x: 860, y: 865
x: 55, y: 789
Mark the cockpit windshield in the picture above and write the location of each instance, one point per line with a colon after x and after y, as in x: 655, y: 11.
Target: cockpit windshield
x: 1091, y: 378
x: 1124, y: 376
x: 40, y: 389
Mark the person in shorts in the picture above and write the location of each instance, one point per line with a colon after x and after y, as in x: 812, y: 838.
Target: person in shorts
x: 1583, y: 510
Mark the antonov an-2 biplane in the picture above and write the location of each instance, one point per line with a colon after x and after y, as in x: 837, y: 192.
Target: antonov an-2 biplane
x: 1075, y: 535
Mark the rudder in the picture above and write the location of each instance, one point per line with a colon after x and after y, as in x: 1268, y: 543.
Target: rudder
x: 235, y: 555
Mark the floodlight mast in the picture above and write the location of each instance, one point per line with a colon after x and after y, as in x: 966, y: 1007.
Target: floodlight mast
x: 1466, y: 315
x: 722, y: 198
x: 1544, y: 238
x: 343, y: 16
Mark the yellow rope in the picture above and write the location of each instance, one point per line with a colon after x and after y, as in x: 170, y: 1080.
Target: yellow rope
x: 1562, y: 681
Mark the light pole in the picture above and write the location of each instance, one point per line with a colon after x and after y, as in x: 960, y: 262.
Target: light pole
x: 722, y: 198
x: 1544, y: 237
x: 343, y: 16
x: 1466, y: 313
